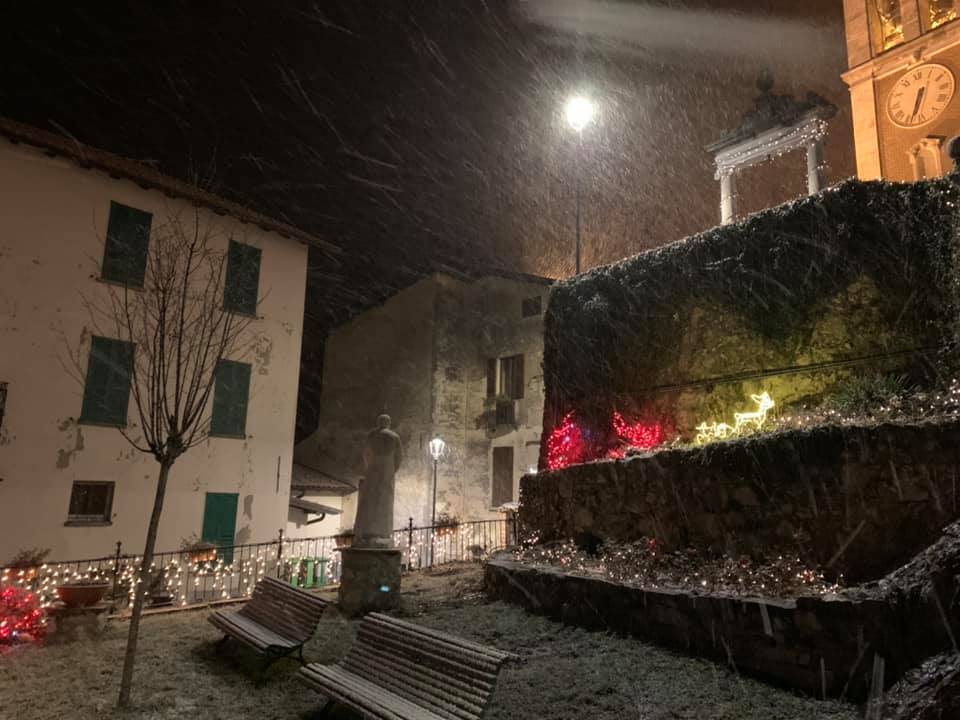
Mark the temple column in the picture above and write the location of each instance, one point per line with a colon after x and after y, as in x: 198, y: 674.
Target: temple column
x: 728, y: 200
x: 814, y: 161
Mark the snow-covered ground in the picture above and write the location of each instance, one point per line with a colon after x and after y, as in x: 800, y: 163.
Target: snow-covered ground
x: 568, y: 673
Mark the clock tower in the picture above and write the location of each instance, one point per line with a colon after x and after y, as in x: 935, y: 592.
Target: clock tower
x: 904, y: 60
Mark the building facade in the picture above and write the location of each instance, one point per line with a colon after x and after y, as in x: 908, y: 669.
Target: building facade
x: 69, y: 482
x: 459, y: 359
x: 904, y: 57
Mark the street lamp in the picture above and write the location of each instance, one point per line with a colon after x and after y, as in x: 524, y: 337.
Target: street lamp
x: 437, y: 448
x: 579, y: 112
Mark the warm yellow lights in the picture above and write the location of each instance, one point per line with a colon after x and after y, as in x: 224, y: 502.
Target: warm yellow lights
x: 708, y: 432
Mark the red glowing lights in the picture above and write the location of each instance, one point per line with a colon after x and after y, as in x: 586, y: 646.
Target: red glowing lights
x: 21, y: 617
x: 567, y: 444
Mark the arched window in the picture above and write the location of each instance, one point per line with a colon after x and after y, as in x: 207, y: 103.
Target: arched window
x: 926, y: 158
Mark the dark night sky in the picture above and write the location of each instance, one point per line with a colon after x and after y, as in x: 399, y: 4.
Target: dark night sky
x: 427, y: 134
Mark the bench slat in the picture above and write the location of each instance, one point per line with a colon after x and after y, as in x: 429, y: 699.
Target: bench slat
x: 369, y: 699
x: 494, y: 653
x: 438, y: 657
x: 370, y: 655
x: 447, y: 703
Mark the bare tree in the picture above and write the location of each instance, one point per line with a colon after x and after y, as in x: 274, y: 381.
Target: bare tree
x: 178, y: 330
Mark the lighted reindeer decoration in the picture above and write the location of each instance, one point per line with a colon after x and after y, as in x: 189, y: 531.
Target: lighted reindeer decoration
x: 708, y: 432
x: 757, y: 417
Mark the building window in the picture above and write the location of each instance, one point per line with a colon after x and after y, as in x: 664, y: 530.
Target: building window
x: 106, y: 392
x: 887, y: 24
x: 505, y: 377
x: 940, y: 12
x: 511, y: 377
x: 3, y: 401
x: 926, y: 158
x: 90, y: 502
x: 230, y: 394
x: 243, y: 279
x: 531, y: 306
x: 125, y: 252
x: 502, y: 485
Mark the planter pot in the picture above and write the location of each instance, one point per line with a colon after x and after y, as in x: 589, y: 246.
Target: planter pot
x: 82, y: 595
x: 205, y: 555
x: 343, y: 540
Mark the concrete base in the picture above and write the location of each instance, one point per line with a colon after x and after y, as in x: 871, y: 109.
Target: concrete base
x: 369, y: 580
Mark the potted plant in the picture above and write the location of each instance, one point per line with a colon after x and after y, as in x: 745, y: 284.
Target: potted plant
x: 344, y: 538
x: 198, y: 550
x: 83, y: 592
x: 447, y: 524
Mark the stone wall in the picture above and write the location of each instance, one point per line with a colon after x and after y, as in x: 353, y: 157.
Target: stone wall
x: 820, y: 646
x: 854, y: 501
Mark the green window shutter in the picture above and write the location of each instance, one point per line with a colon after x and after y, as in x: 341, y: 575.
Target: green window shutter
x: 243, y: 279
x: 230, y: 393
x: 128, y: 238
x: 220, y: 523
x: 106, y: 393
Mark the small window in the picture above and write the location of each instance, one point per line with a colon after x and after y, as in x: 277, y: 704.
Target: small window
x: 125, y: 252
x: 511, y: 377
x: 230, y: 394
x: 3, y: 401
x: 90, y: 502
x: 106, y: 393
x: 531, y: 306
x: 243, y: 279
x: 502, y: 485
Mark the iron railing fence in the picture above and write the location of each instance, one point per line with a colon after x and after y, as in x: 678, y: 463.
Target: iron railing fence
x: 185, y: 578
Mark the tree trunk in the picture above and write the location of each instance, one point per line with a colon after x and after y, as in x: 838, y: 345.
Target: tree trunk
x: 141, y: 588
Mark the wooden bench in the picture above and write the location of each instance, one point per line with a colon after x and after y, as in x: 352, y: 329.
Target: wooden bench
x: 277, y: 620
x: 400, y: 671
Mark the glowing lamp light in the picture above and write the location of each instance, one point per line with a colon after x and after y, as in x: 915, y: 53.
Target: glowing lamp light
x: 437, y: 448
x: 579, y: 111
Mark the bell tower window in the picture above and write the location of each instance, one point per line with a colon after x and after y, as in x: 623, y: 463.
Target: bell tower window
x: 940, y: 12
x: 887, y: 24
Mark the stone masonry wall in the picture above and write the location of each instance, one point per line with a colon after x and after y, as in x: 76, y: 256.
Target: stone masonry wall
x: 856, y: 501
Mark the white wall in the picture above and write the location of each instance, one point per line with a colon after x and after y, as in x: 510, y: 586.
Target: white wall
x: 53, y: 216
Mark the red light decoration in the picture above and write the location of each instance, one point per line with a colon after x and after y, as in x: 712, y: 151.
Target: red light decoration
x: 21, y: 617
x: 636, y: 435
x: 567, y: 445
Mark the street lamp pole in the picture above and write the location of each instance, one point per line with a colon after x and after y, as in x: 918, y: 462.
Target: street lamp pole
x: 437, y: 448
x: 579, y: 112
x: 577, y: 173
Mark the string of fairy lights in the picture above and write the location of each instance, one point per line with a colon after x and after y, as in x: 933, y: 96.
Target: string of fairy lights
x: 645, y: 564
x: 183, y: 581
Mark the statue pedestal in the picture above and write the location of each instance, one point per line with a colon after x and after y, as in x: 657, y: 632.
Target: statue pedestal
x: 369, y: 580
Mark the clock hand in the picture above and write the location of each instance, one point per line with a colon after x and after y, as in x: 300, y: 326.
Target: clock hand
x: 918, y: 103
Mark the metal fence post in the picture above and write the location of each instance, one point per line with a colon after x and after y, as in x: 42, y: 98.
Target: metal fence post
x: 279, y: 553
x: 116, y: 578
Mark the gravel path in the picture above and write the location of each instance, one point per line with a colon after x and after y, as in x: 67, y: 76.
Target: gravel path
x: 569, y: 674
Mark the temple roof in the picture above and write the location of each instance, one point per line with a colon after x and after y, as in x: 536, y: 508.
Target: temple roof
x: 772, y: 111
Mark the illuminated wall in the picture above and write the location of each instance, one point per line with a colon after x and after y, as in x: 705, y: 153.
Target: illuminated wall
x: 791, y: 301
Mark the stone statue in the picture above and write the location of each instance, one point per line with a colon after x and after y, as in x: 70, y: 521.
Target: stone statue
x: 381, y: 459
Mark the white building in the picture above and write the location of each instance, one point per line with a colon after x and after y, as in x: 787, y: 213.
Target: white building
x: 458, y: 358
x: 68, y: 480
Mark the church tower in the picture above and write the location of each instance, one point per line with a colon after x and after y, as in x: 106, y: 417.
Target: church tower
x: 904, y: 60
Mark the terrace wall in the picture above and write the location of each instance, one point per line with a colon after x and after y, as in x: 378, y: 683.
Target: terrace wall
x: 857, y: 501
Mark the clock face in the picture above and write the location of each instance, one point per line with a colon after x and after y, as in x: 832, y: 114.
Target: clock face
x: 920, y: 95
